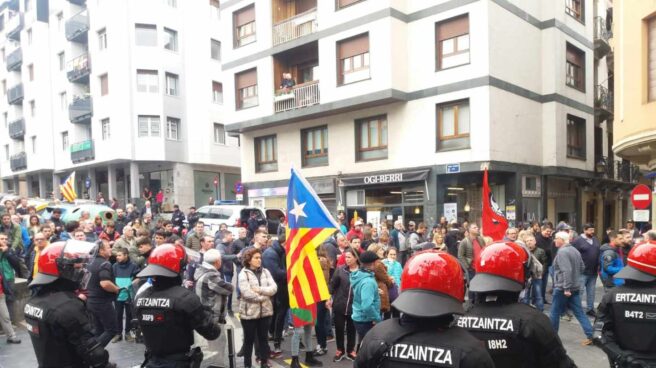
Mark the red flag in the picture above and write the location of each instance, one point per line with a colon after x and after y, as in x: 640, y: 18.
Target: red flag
x: 494, y: 222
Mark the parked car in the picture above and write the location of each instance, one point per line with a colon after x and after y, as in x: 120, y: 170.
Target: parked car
x: 235, y: 216
x: 72, y: 211
x: 274, y: 217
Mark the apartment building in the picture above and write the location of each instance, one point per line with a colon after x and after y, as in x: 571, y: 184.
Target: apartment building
x: 398, y: 105
x: 635, y: 77
x: 127, y: 94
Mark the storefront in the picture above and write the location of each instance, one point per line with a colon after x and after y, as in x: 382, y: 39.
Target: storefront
x: 382, y: 198
x: 276, y: 196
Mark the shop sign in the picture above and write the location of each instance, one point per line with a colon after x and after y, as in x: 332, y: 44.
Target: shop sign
x: 394, y: 177
x: 452, y: 168
x: 267, y: 192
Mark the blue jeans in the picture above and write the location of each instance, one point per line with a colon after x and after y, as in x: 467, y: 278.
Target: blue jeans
x: 362, y: 328
x: 534, y: 294
x: 589, y: 282
x: 561, y: 302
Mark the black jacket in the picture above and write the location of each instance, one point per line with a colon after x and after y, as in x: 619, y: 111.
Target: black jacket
x: 340, y: 289
x: 545, y: 244
x: 451, y: 240
x: 274, y: 260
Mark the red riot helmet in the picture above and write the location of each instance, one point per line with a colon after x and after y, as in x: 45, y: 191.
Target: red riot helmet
x: 432, y: 285
x: 641, y: 263
x: 503, y: 266
x: 64, y: 260
x: 167, y: 260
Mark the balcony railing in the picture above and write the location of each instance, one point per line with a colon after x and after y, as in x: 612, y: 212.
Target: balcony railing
x: 77, y: 27
x: 15, y: 94
x: 80, y: 110
x: 82, y: 151
x: 79, y: 69
x: 617, y: 170
x: 297, y: 26
x: 15, y: 60
x: 603, y: 102
x: 15, y: 26
x: 18, y: 161
x: 601, y: 37
x: 302, y: 95
x: 17, y: 129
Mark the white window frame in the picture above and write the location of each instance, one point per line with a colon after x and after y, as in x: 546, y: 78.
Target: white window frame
x: 171, y: 38
x: 173, y: 128
x: 172, y: 84
x: 33, y: 138
x: 63, y: 101
x: 217, y: 97
x: 214, y: 43
x: 147, y: 81
x: 105, y: 128
x: 219, y: 134
x: 102, y: 39
x: 62, y: 60
x: 65, y: 143
x: 152, y: 39
x: 148, y: 126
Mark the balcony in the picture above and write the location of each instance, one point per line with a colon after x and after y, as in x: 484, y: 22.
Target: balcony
x: 15, y: 94
x: 15, y: 60
x: 80, y: 110
x: 14, y: 27
x: 297, y: 26
x: 617, y: 170
x: 17, y: 129
x: 601, y: 37
x: 603, y: 103
x: 302, y: 95
x: 78, y: 69
x: 77, y: 27
x: 82, y: 151
x: 18, y: 161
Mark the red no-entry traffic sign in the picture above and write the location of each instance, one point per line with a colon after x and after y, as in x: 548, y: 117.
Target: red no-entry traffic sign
x: 641, y: 196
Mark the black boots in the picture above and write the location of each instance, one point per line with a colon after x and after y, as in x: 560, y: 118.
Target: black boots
x: 311, y: 361
x: 295, y: 363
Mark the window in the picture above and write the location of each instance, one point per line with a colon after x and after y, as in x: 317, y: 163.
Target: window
x: 171, y: 84
x: 62, y: 60
x: 219, y: 133
x: 172, y: 128
x: 145, y: 34
x: 244, y: 23
x: 33, y: 144
x: 651, y: 46
x: 147, y: 81
x: 171, y: 3
x: 60, y: 20
x: 4, y: 87
x: 371, y: 138
x: 344, y: 3
x: 575, y: 137
x: 215, y: 9
x: 102, y: 39
x: 3, y: 54
x: 64, y: 137
x: 30, y: 71
x: 148, y: 126
x: 7, y: 152
x: 104, y: 85
x: 170, y: 39
x: 575, y: 73
x: 246, y: 85
x: 314, y: 143
x: 5, y: 117
x: 575, y: 8
x: 32, y: 108
x: 63, y: 101
x: 353, y: 57
x: 452, y: 42
x: 104, y: 125
x: 217, y: 92
x: 29, y: 36
x: 216, y: 50
x: 266, y: 155
x: 453, y: 125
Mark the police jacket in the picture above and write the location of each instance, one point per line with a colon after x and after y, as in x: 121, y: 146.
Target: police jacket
x: 167, y: 310
x: 411, y: 344
x: 516, y: 335
x: 61, y: 332
x: 627, y: 319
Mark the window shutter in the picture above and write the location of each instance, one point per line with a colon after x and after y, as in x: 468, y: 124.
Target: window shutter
x: 343, y: 3
x: 574, y: 55
x: 452, y: 27
x: 353, y: 46
x: 245, y: 15
x: 652, y: 59
x: 246, y: 78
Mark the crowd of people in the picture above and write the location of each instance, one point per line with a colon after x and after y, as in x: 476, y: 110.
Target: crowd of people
x: 363, y: 267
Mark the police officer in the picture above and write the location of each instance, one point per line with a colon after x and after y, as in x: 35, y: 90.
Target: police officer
x: 626, y: 317
x: 168, y: 313
x: 433, y: 291
x: 56, y: 318
x: 515, y: 334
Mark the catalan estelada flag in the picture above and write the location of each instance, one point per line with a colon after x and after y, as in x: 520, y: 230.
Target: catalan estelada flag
x: 67, y: 188
x: 308, y: 225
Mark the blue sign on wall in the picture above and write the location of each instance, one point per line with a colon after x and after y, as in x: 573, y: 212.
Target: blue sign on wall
x: 452, y: 168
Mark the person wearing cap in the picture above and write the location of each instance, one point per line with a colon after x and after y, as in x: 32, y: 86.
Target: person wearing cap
x: 356, y: 231
x: 56, y: 319
x: 625, y: 327
x: 433, y: 293
x: 515, y: 334
x: 167, y: 310
x: 366, y: 296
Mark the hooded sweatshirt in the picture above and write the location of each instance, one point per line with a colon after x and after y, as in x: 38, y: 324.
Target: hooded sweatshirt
x: 123, y: 275
x: 366, y: 301
x: 611, y: 263
x: 211, y: 288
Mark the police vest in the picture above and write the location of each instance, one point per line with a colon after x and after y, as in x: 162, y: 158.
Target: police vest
x: 45, y: 317
x: 634, y: 318
x: 164, y: 324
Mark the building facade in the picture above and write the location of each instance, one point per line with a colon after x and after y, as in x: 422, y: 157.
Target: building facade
x: 397, y: 106
x: 635, y: 76
x: 127, y: 94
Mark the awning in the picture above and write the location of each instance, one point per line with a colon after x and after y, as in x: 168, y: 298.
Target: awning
x: 386, y: 178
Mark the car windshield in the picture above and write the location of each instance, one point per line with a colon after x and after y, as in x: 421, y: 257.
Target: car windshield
x: 219, y: 213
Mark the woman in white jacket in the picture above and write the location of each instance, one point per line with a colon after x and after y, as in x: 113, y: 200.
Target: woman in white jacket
x: 255, y: 306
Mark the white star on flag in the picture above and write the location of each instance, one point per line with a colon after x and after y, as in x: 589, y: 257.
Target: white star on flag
x: 298, y: 210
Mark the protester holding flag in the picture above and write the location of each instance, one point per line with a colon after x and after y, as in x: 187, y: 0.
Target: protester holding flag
x: 67, y: 188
